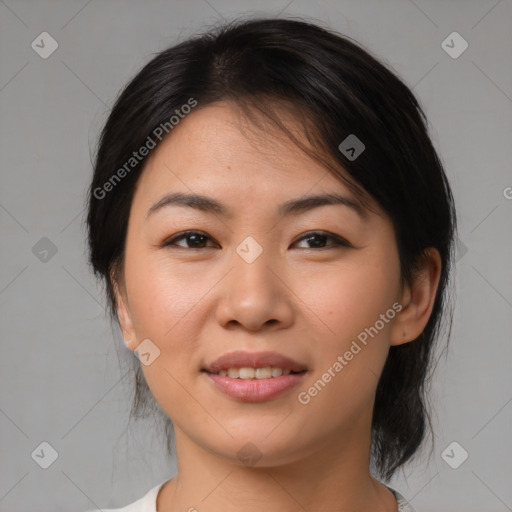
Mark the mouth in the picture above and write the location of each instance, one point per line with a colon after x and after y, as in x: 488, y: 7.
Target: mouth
x: 254, y: 365
x: 254, y: 377
x: 249, y: 373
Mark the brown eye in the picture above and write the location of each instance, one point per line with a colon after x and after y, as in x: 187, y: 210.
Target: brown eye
x: 198, y: 240
x: 193, y: 239
x: 318, y: 240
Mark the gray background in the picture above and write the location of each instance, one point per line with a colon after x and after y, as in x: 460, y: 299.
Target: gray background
x: 61, y: 380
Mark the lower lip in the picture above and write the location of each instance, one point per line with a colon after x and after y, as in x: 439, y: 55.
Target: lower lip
x: 255, y: 390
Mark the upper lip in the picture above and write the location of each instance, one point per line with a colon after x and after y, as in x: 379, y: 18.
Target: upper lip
x: 241, y: 359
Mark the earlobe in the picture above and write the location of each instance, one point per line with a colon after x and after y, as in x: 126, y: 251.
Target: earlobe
x: 129, y: 344
x: 418, y: 300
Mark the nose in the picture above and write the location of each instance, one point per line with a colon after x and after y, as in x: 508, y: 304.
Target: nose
x: 255, y: 295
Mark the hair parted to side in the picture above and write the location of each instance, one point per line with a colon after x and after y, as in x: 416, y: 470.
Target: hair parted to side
x: 334, y: 88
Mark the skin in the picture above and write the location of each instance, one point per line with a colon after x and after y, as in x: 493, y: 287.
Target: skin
x: 305, y: 302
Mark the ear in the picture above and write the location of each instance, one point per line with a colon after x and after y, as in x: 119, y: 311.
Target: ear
x: 418, y: 300
x: 124, y: 314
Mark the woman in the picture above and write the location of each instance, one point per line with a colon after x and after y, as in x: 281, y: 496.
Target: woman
x: 275, y: 232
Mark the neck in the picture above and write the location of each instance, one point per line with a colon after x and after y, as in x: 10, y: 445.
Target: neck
x: 334, y: 476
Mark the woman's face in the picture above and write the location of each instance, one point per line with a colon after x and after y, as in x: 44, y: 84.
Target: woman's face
x: 256, y: 279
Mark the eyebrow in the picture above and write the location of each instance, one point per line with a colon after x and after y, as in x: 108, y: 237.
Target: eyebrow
x: 293, y: 206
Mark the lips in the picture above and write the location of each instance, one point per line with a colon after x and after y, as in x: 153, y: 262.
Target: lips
x: 255, y: 390
x: 241, y: 359
x: 286, y: 374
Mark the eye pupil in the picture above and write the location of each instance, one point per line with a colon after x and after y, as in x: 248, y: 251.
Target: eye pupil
x: 196, y: 238
x: 320, y: 240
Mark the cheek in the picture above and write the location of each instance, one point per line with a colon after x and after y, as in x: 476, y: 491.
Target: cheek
x: 160, y: 297
x: 164, y: 306
x: 348, y: 301
x: 347, y: 298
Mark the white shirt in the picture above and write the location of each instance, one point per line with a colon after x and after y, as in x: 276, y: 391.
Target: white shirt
x: 148, y: 502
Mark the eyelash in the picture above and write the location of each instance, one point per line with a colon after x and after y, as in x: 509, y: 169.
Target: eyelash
x: 338, y: 241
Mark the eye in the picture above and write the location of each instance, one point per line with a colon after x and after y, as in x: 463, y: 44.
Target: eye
x: 196, y: 239
x: 319, y: 238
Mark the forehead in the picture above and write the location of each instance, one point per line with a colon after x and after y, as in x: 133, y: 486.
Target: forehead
x: 219, y: 146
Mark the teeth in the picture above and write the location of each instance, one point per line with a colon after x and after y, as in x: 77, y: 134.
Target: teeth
x: 234, y: 373
x: 277, y: 372
x: 262, y: 373
x: 247, y: 373
x: 251, y: 373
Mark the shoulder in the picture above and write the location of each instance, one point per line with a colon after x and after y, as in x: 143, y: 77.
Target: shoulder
x: 146, y: 503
